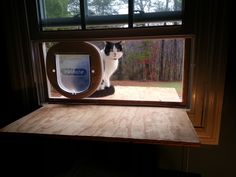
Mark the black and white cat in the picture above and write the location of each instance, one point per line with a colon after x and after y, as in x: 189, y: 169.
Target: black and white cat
x: 110, y: 54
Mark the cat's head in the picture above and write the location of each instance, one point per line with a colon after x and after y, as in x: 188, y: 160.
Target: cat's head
x: 113, y: 49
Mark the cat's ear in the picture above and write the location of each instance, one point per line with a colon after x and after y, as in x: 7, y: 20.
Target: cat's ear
x: 121, y: 42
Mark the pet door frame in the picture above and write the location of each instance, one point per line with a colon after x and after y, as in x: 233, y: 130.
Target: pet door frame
x: 74, y: 49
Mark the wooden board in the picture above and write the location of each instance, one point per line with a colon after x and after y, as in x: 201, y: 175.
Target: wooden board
x: 144, y: 94
x: 113, y: 123
x: 139, y: 93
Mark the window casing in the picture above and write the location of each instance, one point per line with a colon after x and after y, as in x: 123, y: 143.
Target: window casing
x: 207, y: 67
x: 145, y: 76
x: 131, y: 31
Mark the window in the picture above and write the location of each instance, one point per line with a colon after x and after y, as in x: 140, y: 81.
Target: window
x: 151, y: 72
x: 161, y: 63
x: 94, y: 14
x: 192, y: 21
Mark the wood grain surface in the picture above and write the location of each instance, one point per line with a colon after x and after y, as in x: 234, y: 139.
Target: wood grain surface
x: 144, y: 94
x: 138, y: 93
x: 114, y: 123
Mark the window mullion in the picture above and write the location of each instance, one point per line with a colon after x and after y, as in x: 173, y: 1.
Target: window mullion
x: 131, y: 13
x: 42, y: 12
x: 82, y: 13
x: 42, y: 9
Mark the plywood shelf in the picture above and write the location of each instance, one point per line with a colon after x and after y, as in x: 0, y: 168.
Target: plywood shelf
x: 154, y: 125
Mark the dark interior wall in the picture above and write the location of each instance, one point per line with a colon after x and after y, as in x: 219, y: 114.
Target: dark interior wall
x: 16, y: 65
x: 216, y: 161
x: 54, y: 157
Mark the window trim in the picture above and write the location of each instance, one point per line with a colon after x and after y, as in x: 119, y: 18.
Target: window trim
x: 185, y: 103
x: 207, y: 93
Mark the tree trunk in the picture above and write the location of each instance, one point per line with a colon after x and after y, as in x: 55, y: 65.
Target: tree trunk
x: 162, y: 71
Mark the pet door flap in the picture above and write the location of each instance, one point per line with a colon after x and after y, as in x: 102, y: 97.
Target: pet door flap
x: 73, y: 73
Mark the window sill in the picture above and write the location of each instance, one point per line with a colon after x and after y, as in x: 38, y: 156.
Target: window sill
x: 169, y: 126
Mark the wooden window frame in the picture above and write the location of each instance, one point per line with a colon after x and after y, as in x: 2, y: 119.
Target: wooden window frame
x: 175, y: 31
x: 185, y: 103
x: 84, y: 19
x: 209, y: 59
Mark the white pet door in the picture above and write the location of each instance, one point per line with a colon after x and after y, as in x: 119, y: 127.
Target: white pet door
x: 74, y: 68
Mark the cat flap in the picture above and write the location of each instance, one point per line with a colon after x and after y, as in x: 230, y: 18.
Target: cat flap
x: 74, y: 69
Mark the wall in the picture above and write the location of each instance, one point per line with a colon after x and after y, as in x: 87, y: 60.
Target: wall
x: 66, y: 157
x: 38, y: 156
x: 219, y: 160
x: 214, y: 161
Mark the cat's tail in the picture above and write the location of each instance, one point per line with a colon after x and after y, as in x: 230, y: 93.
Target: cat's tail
x: 105, y: 92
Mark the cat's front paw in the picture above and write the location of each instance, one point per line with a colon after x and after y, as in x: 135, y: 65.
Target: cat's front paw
x: 102, y: 86
x: 107, y: 84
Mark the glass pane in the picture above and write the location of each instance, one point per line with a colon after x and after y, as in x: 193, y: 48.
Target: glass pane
x: 73, y: 72
x: 102, y: 14
x: 60, y: 8
x: 148, y: 6
x: 107, y: 26
x: 149, y: 70
x: 166, y: 23
x: 107, y: 7
x: 107, y: 14
x: 61, y: 28
x: 157, y: 12
x: 60, y: 14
